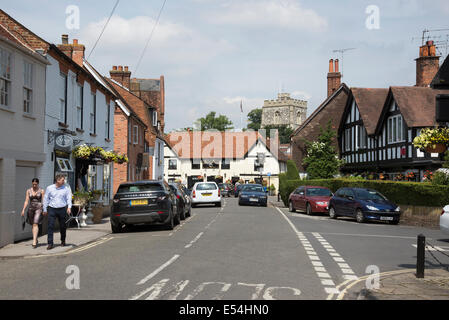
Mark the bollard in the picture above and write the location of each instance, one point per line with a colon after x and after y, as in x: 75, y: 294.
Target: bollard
x: 420, y: 256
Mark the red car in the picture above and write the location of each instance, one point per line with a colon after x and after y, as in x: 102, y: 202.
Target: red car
x: 310, y: 199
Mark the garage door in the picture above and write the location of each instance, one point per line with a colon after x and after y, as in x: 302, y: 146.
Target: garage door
x: 24, y: 175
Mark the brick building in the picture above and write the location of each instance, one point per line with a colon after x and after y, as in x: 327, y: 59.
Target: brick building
x: 331, y: 109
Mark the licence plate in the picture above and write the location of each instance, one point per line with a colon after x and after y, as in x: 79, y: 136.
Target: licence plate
x: 253, y: 199
x: 207, y: 194
x: 386, y: 218
x: 139, y: 202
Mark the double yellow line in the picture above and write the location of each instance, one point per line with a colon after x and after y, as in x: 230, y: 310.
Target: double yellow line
x: 348, y: 284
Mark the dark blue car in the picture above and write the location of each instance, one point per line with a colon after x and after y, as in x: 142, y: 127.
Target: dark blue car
x: 363, y: 204
x: 253, y: 194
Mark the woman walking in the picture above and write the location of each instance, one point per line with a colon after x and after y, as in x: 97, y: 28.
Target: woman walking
x: 34, y: 198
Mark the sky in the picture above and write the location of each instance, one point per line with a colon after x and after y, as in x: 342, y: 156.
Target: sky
x: 216, y: 53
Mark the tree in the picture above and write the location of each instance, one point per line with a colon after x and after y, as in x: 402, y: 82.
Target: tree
x: 321, y: 161
x: 284, y: 132
x: 220, y: 123
x: 255, y: 118
x: 292, y: 170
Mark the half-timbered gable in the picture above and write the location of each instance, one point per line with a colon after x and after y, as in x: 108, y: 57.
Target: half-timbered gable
x: 357, y: 129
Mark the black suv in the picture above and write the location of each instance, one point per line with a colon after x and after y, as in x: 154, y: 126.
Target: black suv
x: 184, y: 203
x: 144, y: 202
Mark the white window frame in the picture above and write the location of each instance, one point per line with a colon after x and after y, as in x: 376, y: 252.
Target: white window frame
x: 5, y: 76
x: 154, y: 118
x: 62, y: 93
x: 395, y: 129
x: 348, y: 139
x: 79, y: 105
x: 27, y: 87
x: 135, y: 134
x: 92, y: 114
x: 67, y: 165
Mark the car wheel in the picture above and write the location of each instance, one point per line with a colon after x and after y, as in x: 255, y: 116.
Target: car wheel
x: 332, y: 213
x: 116, y: 228
x: 177, y: 219
x: 171, y: 223
x: 265, y: 204
x: 189, y: 213
x: 309, y: 209
x: 290, y: 207
x: 359, y: 216
x: 218, y: 204
x: 183, y: 214
x: 193, y: 205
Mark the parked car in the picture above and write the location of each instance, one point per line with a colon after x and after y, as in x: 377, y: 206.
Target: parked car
x: 144, y: 202
x: 444, y: 220
x: 363, y: 204
x: 224, y: 189
x: 252, y: 194
x: 237, y: 189
x: 184, y: 203
x: 206, y: 192
x: 310, y: 199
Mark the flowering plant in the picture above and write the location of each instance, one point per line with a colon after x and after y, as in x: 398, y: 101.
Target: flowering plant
x: 410, y: 176
x: 431, y: 137
x: 88, y: 152
x: 399, y: 177
x: 428, y: 175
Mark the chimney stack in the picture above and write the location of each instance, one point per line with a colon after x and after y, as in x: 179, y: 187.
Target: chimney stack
x: 121, y: 76
x: 427, y: 64
x: 74, y: 51
x: 333, y: 77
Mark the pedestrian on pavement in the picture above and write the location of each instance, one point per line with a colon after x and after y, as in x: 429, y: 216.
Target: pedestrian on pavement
x: 58, y: 200
x: 34, y: 201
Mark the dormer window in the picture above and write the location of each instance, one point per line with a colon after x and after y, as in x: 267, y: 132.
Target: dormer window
x: 154, y: 118
x: 394, y: 129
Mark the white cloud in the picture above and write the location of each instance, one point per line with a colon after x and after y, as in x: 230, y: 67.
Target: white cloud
x: 269, y: 13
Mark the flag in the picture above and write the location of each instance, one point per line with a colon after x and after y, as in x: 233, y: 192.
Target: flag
x: 241, y: 107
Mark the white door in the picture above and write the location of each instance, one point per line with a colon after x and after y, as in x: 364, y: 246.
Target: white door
x: 24, y: 175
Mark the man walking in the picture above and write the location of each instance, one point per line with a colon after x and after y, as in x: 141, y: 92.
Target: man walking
x: 58, y: 200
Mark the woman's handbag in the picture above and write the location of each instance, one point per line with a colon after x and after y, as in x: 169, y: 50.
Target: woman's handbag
x: 23, y: 223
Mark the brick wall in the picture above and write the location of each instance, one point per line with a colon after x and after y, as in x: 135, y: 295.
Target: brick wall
x: 332, y: 111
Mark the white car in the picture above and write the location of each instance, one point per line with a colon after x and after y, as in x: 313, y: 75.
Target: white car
x: 444, y: 220
x: 206, y: 192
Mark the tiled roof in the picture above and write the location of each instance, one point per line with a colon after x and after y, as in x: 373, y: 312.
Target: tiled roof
x: 370, y: 102
x: 4, y: 32
x: 215, y: 145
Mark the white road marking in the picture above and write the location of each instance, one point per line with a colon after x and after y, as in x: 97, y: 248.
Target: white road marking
x: 225, y: 287
x: 194, y: 240
x: 259, y: 288
x: 313, y: 258
x: 429, y: 248
x: 155, y: 272
x: 327, y: 282
x: 156, y: 288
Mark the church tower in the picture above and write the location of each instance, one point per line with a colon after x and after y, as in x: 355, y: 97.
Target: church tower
x: 284, y: 111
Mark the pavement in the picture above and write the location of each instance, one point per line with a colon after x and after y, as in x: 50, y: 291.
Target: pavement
x: 395, y: 285
x: 75, y: 238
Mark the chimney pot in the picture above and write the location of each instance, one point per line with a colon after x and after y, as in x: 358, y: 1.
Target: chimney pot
x: 75, y: 41
x: 114, y: 68
x: 336, y: 65
x: 120, y: 68
x: 126, y: 68
x: 65, y: 39
x: 429, y: 43
x: 331, y: 65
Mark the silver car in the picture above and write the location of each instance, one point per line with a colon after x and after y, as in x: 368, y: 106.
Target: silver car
x: 444, y: 220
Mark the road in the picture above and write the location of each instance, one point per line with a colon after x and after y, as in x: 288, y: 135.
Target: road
x: 233, y: 252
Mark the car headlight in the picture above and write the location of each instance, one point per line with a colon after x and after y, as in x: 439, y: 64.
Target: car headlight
x: 321, y: 203
x: 244, y: 196
x: 372, y: 208
x: 398, y: 209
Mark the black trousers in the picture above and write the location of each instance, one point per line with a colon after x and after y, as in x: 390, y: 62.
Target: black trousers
x: 60, y: 214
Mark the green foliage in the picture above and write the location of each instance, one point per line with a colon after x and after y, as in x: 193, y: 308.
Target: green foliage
x: 321, y: 161
x: 399, y: 192
x: 292, y: 170
x: 255, y: 118
x: 446, y: 159
x: 220, y: 123
x: 440, y: 178
x: 284, y: 132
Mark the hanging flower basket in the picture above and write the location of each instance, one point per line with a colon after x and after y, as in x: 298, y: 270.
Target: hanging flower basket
x: 98, y: 154
x: 432, y: 140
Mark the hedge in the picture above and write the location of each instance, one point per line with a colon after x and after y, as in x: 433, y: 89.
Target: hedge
x: 405, y: 193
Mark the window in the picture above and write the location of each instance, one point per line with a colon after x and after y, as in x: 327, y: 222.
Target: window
x: 172, y: 164
x: 347, y: 139
x: 64, y: 165
x: 79, y: 107
x: 63, y: 98
x: 277, y: 117
x: 135, y: 134
x: 210, y: 164
x: 154, y: 118
x: 225, y: 164
x: 5, y: 77
x: 27, y: 87
x: 361, y: 137
x: 106, y: 123
x: 129, y: 132
x: 195, y: 164
x: 93, y: 114
x: 395, y: 129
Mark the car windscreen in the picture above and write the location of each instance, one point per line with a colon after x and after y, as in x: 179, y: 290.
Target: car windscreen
x: 318, y: 192
x: 140, y: 188
x: 252, y: 189
x: 206, y: 186
x: 369, y: 195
